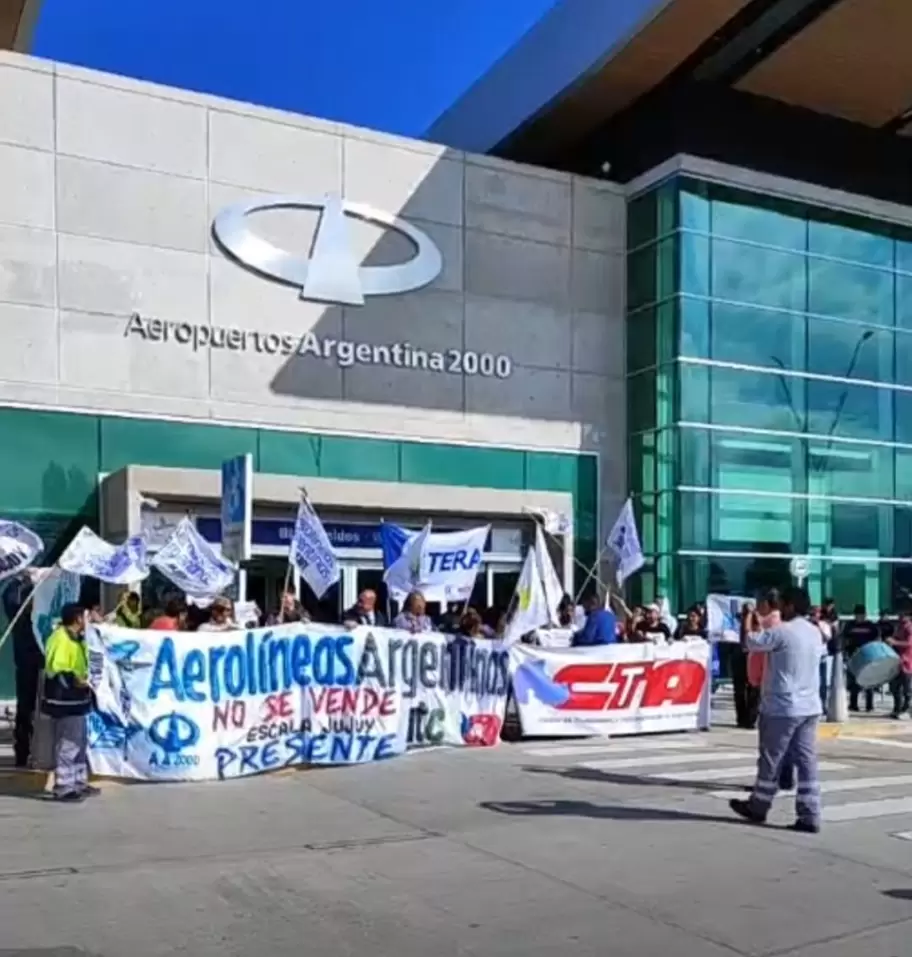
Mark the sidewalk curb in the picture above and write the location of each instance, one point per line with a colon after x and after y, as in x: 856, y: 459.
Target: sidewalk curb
x: 17, y: 781
x: 872, y: 729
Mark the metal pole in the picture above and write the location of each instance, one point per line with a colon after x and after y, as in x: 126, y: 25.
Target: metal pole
x: 21, y: 611
x: 284, y: 593
x: 837, y: 706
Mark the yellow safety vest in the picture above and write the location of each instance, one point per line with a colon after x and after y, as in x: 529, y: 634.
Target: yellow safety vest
x: 126, y: 618
x: 65, y: 655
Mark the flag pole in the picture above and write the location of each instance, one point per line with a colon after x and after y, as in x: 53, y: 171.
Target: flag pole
x: 591, y: 571
x: 306, y: 500
x: 21, y: 610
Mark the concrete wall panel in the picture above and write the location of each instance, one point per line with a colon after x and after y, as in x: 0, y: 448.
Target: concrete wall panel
x: 96, y: 121
x: 106, y: 206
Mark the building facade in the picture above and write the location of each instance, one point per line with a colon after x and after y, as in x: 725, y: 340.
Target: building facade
x: 138, y: 353
x: 770, y: 386
x: 729, y: 347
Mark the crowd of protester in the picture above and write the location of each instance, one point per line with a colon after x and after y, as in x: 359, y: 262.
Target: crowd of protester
x: 848, y: 637
x: 590, y: 623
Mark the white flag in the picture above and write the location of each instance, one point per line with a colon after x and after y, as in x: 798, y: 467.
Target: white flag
x: 91, y: 556
x: 555, y: 523
x: 404, y: 575
x: 551, y: 583
x: 19, y: 547
x: 311, y: 551
x: 624, y: 542
x: 531, y: 609
x: 723, y: 617
x: 190, y: 562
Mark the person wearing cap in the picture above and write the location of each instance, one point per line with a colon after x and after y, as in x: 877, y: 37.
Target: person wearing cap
x: 67, y: 699
x: 651, y: 628
x: 221, y: 617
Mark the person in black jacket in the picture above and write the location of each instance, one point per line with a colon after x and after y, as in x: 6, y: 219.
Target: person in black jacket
x: 857, y: 633
x: 365, y: 611
x: 28, y: 661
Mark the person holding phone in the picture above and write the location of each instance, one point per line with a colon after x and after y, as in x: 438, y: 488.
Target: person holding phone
x: 790, y: 711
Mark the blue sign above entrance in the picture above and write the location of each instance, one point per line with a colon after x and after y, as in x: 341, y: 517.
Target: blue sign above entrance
x: 277, y: 532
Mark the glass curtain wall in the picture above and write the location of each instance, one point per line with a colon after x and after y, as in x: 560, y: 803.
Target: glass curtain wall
x: 769, y: 350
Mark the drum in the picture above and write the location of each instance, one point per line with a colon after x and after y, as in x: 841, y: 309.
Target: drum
x: 874, y: 664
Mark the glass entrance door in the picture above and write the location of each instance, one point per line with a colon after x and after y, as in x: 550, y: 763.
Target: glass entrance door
x: 265, y: 579
x: 327, y: 609
x: 502, y: 584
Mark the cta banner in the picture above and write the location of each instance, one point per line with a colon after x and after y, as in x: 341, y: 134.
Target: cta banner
x: 209, y: 705
x: 612, y: 689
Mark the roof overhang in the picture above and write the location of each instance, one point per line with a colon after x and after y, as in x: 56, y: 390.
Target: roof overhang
x: 847, y: 59
x: 562, y: 52
x: 17, y: 23
x: 854, y: 62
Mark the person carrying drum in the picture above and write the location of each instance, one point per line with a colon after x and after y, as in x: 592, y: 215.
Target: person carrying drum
x: 856, y: 634
x: 790, y: 710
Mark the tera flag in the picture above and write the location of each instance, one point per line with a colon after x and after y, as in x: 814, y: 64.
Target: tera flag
x: 443, y: 568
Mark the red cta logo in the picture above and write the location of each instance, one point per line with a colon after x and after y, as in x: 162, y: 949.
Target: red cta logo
x: 481, y: 730
x: 622, y: 685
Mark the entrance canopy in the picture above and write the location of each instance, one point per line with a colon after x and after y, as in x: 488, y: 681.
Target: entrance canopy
x: 149, y: 499
x: 17, y: 19
x: 844, y: 59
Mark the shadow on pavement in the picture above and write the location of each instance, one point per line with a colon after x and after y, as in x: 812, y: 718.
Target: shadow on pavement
x: 46, y: 952
x: 605, y: 777
x: 609, y: 812
x: 899, y: 894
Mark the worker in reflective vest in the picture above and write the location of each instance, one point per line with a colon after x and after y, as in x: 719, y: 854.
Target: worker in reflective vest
x: 128, y: 613
x: 67, y: 699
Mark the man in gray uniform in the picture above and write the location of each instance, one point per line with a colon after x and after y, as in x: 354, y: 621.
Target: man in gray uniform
x: 790, y: 707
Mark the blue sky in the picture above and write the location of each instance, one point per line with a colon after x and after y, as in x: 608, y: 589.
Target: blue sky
x: 393, y: 65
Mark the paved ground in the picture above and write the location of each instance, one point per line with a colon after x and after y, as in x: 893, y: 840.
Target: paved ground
x: 614, y: 849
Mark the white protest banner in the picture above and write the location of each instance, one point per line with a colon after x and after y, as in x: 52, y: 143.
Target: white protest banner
x: 55, y: 589
x: 611, y: 689
x: 723, y: 617
x: 93, y: 557
x: 210, y: 706
x: 19, y: 547
x: 311, y: 551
